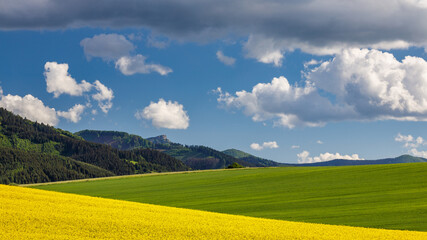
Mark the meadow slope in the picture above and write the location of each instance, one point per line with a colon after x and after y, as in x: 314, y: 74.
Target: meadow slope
x: 35, y: 214
x: 379, y: 196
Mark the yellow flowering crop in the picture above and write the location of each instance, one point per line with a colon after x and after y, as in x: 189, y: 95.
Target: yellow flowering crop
x: 35, y: 214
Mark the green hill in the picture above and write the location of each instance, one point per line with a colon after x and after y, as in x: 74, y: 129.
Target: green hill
x: 389, y: 196
x: 118, y: 140
x: 34, y: 152
x: 236, y: 153
x: 195, y: 157
x: 252, y: 159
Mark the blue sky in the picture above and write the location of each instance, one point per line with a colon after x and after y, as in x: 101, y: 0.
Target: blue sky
x: 295, y: 83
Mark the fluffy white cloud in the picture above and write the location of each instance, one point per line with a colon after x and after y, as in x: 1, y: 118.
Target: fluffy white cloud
x: 418, y: 153
x: 29, y: 107
x: 130, y: 65
x: 304, y: 157
x: 104, y: 96
x: 225, y: 59
x: 35, y: 110
x: 59, y: 81
x: 412, y: 144
x: 117, y: 48
x: 73, y: 114
x: 164, y: 114
x: 410, y: 141
x: 107, y: 46
x: 361, y: 84
x: 258, y: 147
x: 290, y: 106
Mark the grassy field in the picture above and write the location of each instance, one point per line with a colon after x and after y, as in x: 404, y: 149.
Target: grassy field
x: 36, y: 214
x: 380, y: 196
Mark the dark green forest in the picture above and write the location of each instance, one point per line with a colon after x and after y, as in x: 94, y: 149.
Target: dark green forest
x: 33, y: 152
x: 195, y: 157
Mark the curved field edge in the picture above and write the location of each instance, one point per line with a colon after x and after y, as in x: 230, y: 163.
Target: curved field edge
x: 37, y: 214
x: 379, y: 196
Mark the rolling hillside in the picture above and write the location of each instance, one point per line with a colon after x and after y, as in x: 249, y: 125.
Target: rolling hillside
x: 389, y: 196
x: 33, y: 152
x: 196, y: 157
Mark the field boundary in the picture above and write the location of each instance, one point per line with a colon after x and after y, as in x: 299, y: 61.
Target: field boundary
x: 137, y: 175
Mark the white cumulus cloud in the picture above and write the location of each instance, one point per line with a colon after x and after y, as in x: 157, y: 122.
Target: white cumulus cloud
x: 73, y: 114
x: 258, y: 147
x: 107, y: 46
x: 361, y: 84
x: 59, y: 81
x: 104, y: 96
x: 412, y: 144
x: 304, y: 157
x: 130, y: 65
x: 418, y: 153
x: 225, y: 59
x: 164, y: 114
x: 30, y: 107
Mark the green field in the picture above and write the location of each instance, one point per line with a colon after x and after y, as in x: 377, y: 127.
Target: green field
x: 382, y: 196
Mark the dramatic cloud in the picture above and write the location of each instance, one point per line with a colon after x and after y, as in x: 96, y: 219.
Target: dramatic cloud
x: 258, y: 147
x: 316, y: 26
x: 104, y: 96
x: 136, y: 64
x: 304, y: 157
x: 73, y: 114
x: 225, y: 59
x: 165, y: 115
x: 29, y: 107
x: 357, y: 84
x: 107, y: 46
x: 59, y: 81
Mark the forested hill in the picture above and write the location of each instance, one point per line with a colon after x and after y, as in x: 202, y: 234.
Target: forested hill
x: 33, y: 152
x: 252, y: 159
x: 195, y: 157
x: 118, y: 140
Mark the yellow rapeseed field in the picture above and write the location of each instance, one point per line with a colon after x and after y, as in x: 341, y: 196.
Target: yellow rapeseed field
x: 35, y: 214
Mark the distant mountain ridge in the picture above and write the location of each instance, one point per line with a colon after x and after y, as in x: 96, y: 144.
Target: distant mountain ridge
x: 195, y: 157
x: 342, y: 162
